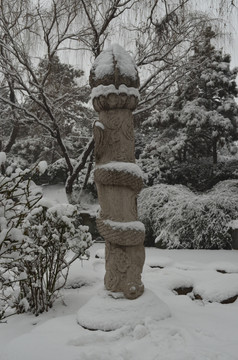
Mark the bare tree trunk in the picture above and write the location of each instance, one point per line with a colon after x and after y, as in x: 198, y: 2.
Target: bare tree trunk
x: 214, y: 151
x: 12, y: 138
x: 72, y: 177
x: 90, y: 165
x: 15, y: 123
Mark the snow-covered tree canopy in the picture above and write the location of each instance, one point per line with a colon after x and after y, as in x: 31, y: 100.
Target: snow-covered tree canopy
x: 160, y: 35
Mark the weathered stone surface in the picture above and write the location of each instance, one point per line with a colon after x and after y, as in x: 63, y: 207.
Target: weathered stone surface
x: 114, y: 141
x: 115, y: 101
x: 118, y: 180
x: 107, y: 177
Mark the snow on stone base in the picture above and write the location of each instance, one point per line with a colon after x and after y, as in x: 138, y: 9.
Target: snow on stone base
x: 110, y: 311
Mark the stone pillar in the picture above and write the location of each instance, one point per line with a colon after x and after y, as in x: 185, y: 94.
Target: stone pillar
x: 114, y: 81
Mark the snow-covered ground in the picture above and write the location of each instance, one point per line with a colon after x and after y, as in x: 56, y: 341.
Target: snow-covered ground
x: 195, y: 330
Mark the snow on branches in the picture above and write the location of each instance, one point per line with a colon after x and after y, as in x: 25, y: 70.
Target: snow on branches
x: 38, y: 242
x: 179, y: 218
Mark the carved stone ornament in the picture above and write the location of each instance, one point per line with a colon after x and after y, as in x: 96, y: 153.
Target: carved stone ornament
x: 114, y: 81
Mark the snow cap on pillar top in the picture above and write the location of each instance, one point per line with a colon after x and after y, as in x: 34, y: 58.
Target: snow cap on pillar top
x: 114, y: 66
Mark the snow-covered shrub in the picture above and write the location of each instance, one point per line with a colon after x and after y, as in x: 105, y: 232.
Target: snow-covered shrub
x: 179, y: 218
x: 51, y: 231
x: 58, y: 171
x: 196, y: 175
x: 28, y: 150
x: 18, y: 196
x: 199, y: 175
x: 151, y: 202
x: 38, y: 242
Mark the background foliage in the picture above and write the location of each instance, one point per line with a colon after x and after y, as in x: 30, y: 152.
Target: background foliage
x: 175, y: 217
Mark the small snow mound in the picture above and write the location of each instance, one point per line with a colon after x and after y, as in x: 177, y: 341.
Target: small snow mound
x: 221, y: 288
x: 140, y: 331
x: 100, y: 254
x: 171, y: 279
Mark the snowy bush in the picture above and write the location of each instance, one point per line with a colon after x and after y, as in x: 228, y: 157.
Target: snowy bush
x: 178, y: 218
x: 58, y: 171
x: 151, y: 203
x: 199, y: 175
x: 28, y: 150
x: 47, y: 259
x: 225, y: 188
x: 38, y: 242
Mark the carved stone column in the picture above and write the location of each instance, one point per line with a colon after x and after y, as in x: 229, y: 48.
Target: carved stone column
x: 114, y: 81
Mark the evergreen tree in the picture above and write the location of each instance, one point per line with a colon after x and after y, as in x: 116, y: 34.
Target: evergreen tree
x: 66, y: 101
x: 66, y: 105
x: 204, y: 112
x: 184, y: 137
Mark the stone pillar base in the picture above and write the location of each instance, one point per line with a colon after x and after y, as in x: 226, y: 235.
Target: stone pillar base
x: 109, y: 311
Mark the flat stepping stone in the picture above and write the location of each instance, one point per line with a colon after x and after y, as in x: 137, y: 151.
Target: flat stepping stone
x: 183, y: 290
x: 220, y: 288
